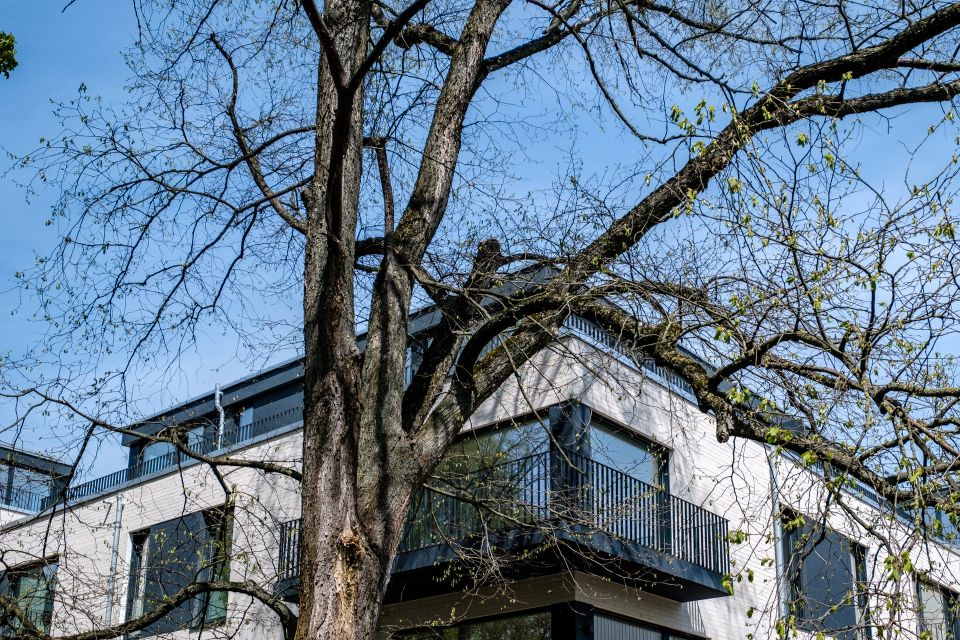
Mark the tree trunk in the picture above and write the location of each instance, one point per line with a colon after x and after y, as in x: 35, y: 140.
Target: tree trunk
x: 361, y: 467
x: 342, y: 574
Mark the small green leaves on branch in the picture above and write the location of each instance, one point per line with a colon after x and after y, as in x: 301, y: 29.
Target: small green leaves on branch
x: 8, y: 54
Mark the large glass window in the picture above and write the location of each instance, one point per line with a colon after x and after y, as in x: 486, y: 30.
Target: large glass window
x: 171, y: 555
x: 497, y: 468
x: 825, y: 572
x: 633, y: 511
x: 612, y: 628
x: 488, y: 448
x: 32, y: 589
x: 938, y: 612
x: 23, y: 488
x: 156, y: 450
x: 628, y: 455
x: 525, y: 627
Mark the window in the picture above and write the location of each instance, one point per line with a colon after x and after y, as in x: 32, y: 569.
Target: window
x: 825, y: 572
x: 155, y: 450
x: 942, y: 524
x: 489, y: 448
x: 631, y: 510
x: 525, y: 627
x: 610, y: 628
x: 23, y: 488
x: 938, y: 612
x: 32, y: 588
x: 631, y: 456
x: 201, y: 438
x: 245, y: 418
x: 171, y: 555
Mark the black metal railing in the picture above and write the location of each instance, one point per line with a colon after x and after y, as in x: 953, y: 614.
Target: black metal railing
x: 21, y: 499
x: 556, y: 493
x: 290, y: 544
x: 232, y: 435
x: 593, y: 333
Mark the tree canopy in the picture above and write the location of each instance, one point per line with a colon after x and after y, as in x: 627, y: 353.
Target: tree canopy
x: 759, y: 195
x: 8, y: 59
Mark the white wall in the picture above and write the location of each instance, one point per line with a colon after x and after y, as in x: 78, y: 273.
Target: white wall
x: 731, y: 479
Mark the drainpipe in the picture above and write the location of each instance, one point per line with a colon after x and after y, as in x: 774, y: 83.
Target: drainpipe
x: 783, y: 595
x: 114, y: 558
x: 217, y: 402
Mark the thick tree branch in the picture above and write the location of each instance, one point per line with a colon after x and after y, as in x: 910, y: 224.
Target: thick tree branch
x: 288, y: 619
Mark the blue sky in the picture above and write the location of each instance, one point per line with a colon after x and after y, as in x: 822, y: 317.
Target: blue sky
x: 60, y: 50
x: 57, y: 51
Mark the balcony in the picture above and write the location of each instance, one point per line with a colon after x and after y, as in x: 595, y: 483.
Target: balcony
x: 22, y: 500
x: 546, y: 512
x: 233, y: 436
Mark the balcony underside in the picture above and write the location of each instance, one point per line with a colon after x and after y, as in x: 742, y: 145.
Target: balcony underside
x: 444, y: 568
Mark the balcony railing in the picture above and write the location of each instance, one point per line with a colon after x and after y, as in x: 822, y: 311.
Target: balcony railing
x: 22, y: 500
x: 592, y: 333
x: 232, y: 436
x: 556, y: 493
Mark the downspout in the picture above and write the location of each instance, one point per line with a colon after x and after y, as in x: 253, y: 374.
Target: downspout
x: 783, y: 595
x: 114, y: 559
x: 217, y: 402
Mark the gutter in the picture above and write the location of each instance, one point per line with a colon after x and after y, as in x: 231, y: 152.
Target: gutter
x: 114, y: 559
x: 783, y: 594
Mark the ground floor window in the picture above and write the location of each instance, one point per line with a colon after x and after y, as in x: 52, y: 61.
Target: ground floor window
x: 535, y: 626
x: 938, y: 612
x: 169, y: 556
x: 31, y: 588
x: 611, y: 628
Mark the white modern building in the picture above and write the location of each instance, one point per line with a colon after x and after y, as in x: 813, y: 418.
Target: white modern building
x: 610, y: 512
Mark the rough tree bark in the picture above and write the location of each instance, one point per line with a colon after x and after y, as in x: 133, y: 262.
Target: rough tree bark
x: 341, y: 570
x: 361, y: 463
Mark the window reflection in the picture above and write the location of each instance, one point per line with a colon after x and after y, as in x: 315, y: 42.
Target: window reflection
x: 938, y: 612
x: 528, y: 627
x: 31, y: 590
x: 825, y: 571
x: 489, y: 448
x: 627, y: 455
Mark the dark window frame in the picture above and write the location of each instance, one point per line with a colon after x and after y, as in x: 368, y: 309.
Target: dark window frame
x: 950, y: 601
x: 210, y: 563
x: 9, y: 583
x: 542, y: 417
x: 820, y: 534
x: 654, y: 448
x: 665, y: 632
x: 436, y: 631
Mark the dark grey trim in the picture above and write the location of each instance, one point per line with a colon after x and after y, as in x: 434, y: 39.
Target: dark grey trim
x: 35, y: 461
x: 234, y: 393
x: 185, y: 463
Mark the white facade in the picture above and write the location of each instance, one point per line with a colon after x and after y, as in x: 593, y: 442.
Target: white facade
x: 745, y: 482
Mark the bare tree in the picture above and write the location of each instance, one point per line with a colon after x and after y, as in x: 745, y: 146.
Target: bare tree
x: 352, y: 151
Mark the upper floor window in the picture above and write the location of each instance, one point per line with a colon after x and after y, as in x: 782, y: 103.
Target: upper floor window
x: 158, y: 449
x: 489, y: 448
x: 31, y: 588
x: 826, y: 573
x: 938, y: 612
x: 645, y: 462
x: 170, y: 556
x: 23, y: 488
x: 245, y: 422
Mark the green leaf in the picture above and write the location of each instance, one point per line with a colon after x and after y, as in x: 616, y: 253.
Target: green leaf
x: 8, y: 54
